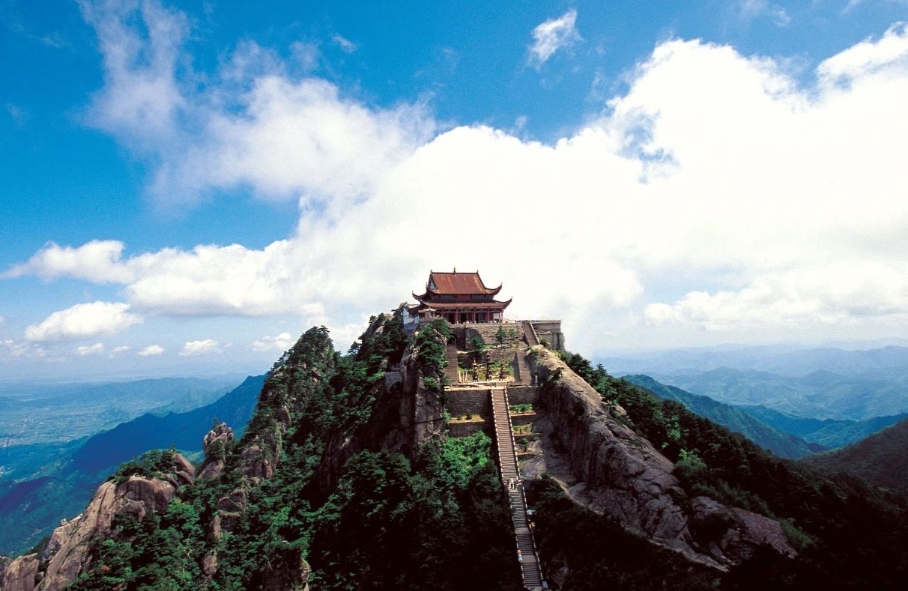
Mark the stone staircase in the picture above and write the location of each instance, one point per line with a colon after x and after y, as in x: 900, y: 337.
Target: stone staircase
x: 522, y: 374
x: 507, y: 460
x: 451, y: 370
x: 529, y: 333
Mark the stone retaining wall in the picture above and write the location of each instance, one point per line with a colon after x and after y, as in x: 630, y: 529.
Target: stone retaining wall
x: 467, y: 429
x: 474, y: 401
x: 522, y: 395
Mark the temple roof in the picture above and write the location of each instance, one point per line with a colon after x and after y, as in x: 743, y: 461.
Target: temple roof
x: 458, y: 284
x: 493, y: 305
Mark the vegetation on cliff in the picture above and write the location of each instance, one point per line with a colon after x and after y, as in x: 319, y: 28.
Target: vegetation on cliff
x: 436, y: 519
x: 597, y: 553
x: 780, y: 443
x: 31, y: 509
x: 848, y: 533
x: 327, y: 486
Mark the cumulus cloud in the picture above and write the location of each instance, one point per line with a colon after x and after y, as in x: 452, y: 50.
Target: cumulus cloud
x: 717, y: 192
x: 83, y: 321
x: 96, y: 349
x: 870, y: 60
x: 118, y: 350
x: 150, y: 351
x: 97, y: 261
x: 552, y: 35
x: 281, y: 342
x: 205, y: 347
x: 256, y: 125
x: 11, y: 350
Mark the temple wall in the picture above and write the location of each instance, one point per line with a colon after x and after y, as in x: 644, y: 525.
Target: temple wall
x: 522, y: 395
x: 474, y: 401
x: 550, y: 332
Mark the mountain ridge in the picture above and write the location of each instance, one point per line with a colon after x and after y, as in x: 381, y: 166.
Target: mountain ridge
x: 781, y: 443
x: 347, y: 478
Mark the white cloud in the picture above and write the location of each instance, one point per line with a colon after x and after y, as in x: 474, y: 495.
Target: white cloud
x: 150, y: 351
x: 843, y: 293
x: 96, y: 349
x: 751, y: 9
x: 141, y: 99
x: 11, y: 350
x: 884, y: 60
x: 281, y: 342
x: 552, y: 35
x: 118, y: 350
x: 346, y: 45
x: 200, y: 348
x: 16, y: 113
x: 305, y: 55
x: 97, y: 261
x: 254, y: 125
x: 83, y: 321
x: 717, y: 193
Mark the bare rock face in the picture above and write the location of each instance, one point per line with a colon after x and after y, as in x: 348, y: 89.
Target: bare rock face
x: 210, y: 564
x: 215, y: 446
x: 423, y: 407
x: 256, y: 462
x: 20, y: 574
x: 732, y: 533
x: 235, y: 501
x: 289, y: 575
x: 139, y: 496
x: 183, y: 469
x: 67, y: 553
x: 621, y: 474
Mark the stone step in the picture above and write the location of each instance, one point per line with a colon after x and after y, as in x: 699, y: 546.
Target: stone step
x: 451, y: 369
x: 507, y: 462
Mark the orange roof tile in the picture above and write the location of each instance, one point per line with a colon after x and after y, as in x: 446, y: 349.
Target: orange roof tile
x: 458, y: 283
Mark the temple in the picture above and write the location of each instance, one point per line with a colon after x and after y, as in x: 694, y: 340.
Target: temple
x: 459, y: 298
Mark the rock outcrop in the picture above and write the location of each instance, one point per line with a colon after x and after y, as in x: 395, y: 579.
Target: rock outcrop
x: 68, y: 552
x: 20, y: 574
x: 614, y: 471
x: 215, y: 446
x: 737, y: 533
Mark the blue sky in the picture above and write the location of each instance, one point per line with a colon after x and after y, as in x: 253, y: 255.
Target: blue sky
x: 188, y: 186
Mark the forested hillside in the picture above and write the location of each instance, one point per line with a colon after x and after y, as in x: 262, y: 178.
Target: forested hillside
x: 345, y: 479
x: 780, y: 443
x: 435, y: 518
x: 828, y: 433
x: 881, y: 459
x: 850, y: 536
x: 64, y: 481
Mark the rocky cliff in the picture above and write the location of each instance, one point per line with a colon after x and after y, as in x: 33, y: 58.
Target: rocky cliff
x: 69, y: 551
x: 256, y: 507
x: 590, y: 446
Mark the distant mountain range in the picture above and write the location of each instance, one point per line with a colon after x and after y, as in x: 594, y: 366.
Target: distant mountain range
x: 884, y: 363
x: 827, y: 433
x: 766, y: 436
x: 820, y: 395
x: 59, y: 413
x: 881, y: 459
x: 184, y: 431
x: 64, y: 476
x: 784, y: 434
